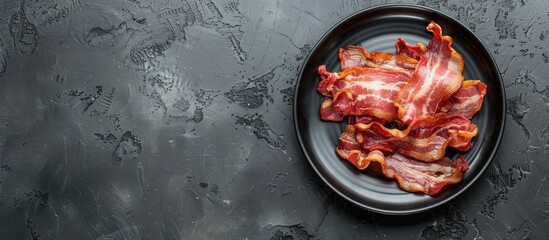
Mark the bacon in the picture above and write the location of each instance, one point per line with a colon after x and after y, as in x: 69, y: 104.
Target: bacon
x: 425, y: 140
x: 326, y: 85
x: 404, y: 110
x: 353, y: 56
x: 356, y: 56
x: 437, y: 76
x: 429, y: 149
x: 405, y: 49
x: 467, y: 100
x: 362, y: 91
x: 328, y: 111
x: 410, y: 174
x: 429, y: 178
x: 351, y: 150
x: 365, y: 119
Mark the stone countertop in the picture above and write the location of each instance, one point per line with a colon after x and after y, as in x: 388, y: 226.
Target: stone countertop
x: 173, y: 119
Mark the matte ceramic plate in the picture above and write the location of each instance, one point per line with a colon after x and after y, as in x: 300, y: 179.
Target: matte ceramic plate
x: 377, y: 29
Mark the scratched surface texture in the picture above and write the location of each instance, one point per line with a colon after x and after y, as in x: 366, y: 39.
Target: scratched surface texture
x: 172, y: 119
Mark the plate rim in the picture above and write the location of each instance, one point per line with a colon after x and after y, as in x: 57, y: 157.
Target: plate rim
x: 458, y: 192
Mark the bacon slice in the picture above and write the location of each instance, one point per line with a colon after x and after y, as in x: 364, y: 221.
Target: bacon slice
x: 425, y: 140
x: 348, y: 148
x: 326, y: 85
x: 411, y: 175
x: 353, y: 56
x: 428, y: 149
x: 405, y: 49
x: 467, y: 100
x: 356, y: 56
x: 429, y: 178
x: 362, y: 91
x: 365, y: 119
x: 437, y: 76
x: 328, y: 111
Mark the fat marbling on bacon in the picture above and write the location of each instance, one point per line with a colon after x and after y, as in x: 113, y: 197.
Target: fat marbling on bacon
x: 405, y: 49
x: 360, y: 91
x: 411, y: 175
x: 425, y: 140
x: 467, y: 100
x: 436, y: 77
x: 356, y: 56
x: 404, y: 110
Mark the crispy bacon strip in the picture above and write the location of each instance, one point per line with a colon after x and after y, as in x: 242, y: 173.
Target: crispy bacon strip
x: 429, y: 178
x: 437, y: 76
x: 411, y: 175
x: 329, y: 79
x: 328, y: 111
x: 423, y: 127
x: 353, y: 56
x: 365, y: 119
x: 356, y: 56
x: 425, y: 140
x: 428, y: 149
x: 405, y: 49
x: 467, y: 100
x: 362, y: 91
x: 348, y: 148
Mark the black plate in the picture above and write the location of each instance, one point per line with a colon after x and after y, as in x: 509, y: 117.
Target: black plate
x: 377, y: 29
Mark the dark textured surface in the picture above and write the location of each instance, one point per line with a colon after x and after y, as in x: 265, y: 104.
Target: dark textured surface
x: 173, y: 120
